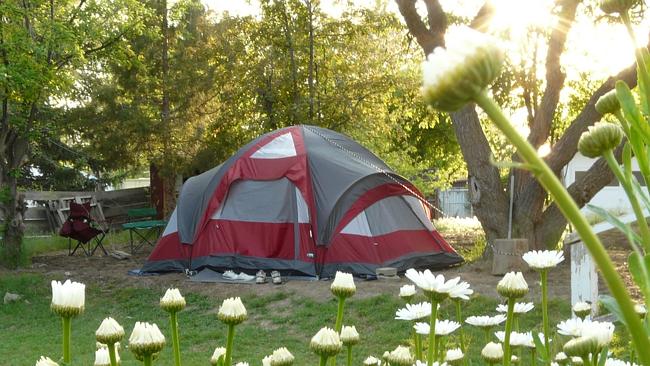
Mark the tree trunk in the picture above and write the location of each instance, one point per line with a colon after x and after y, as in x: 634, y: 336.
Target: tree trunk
x: 13, y: 208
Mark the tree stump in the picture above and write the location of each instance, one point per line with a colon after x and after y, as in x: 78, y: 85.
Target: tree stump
x: 507, y: 255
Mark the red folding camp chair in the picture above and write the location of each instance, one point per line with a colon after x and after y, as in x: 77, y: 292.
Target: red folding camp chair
x: 81, y: 227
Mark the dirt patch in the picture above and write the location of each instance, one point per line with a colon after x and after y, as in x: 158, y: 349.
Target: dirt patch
x: 106, y: 272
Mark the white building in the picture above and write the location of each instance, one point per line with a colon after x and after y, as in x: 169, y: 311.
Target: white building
x: 611, y: 197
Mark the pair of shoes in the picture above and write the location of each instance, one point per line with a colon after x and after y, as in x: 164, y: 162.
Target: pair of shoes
x: 237, y: 277
x: 260, y: 277
x: 275, y: 277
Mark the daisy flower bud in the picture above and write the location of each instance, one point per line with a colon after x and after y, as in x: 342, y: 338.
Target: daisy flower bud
x: 282, y: 357
x: 561, y: 358
x: 68, y: 299
x: 173, y: 301
x: 600, y: 138
x: 266, y: 361
x: 454, y: 356
x: 343, y: 285
x: 349, y: 335
x: 492, y: 352
x: 102, y: 357
x: 371, y: 361
x: 455, y: 75
x: 146, y: 339
x: 407, y: 292
x: 581, y: 309
x: 219, y: 353
x: 326, y: 342
x: 512, y: 285
x: 580, y: 346
x: 616, y: 6
x: 400, y: 356
x: 608, y: 103
x: 109, y: 331
x: 46, y: 361
x: 232, y: 311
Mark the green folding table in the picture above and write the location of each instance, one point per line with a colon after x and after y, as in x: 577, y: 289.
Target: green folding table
x: 145, y: 231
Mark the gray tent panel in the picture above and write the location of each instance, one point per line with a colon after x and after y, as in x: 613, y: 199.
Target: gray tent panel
x: 391, y: 214
x: 172, y: 224
x: 358, y: 226
x: 259, y: 201
x: 418, y: 209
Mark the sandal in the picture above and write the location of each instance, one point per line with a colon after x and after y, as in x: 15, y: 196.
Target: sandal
x: 275, y: 276
x: 260, y: 277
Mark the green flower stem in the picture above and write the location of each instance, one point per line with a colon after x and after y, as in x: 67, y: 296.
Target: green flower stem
x: 545, y: 325
x: 634, y: 202
x: 432, y: 331
x: 173, y: 320
x: 586, y: 361
x: 147, y: 360
x: 437, y: 343
x: 111, y: 354
x: 67, y: 331
x: 418, y: 345
x: 323, y: 360
x: 488, y: 330
x: 339, y: 322
x: 570, y: 210
x: 349, y: 363
x: 339, y: 315
x: 229, y: 342
x: 506, y: 342
x: 594, y: 358
x: 533, y: 357
x: 459, y: 319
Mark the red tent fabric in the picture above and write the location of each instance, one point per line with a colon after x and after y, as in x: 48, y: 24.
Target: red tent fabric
x: 302, y: 199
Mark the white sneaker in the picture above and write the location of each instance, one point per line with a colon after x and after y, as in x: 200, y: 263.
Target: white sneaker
x: 245, y: 277
x: 230, y: 275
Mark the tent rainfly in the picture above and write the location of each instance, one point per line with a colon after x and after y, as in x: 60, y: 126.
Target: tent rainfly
x: 301, y: 199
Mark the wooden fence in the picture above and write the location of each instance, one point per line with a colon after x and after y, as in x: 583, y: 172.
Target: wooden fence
x: 41, y: 213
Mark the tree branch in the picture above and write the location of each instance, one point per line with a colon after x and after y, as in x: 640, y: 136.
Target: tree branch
x: 554, y: 76
x: 567, y: 146
x: 427, y: 38
x: 582, y: 191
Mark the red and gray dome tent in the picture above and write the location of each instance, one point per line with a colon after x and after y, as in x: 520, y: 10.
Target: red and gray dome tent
x: 300, y: 199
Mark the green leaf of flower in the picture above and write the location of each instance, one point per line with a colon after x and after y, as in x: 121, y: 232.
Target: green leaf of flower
x: 612, y: 306
x: 602, y: 213
x: 639, y: 271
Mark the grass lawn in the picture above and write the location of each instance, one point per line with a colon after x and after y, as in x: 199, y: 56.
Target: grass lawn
x: 281, y: 319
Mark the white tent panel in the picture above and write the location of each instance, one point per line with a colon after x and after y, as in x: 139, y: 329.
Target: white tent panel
x: 280, y: 147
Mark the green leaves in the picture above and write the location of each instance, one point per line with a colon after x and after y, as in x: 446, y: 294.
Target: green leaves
x: 615, y: 221
x: 638, y: 266
x: 612, y: 306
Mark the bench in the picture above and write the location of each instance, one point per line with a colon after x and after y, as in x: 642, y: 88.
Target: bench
x: 142, y: 224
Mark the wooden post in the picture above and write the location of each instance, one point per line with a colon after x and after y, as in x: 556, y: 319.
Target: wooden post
x: 584, y: 279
